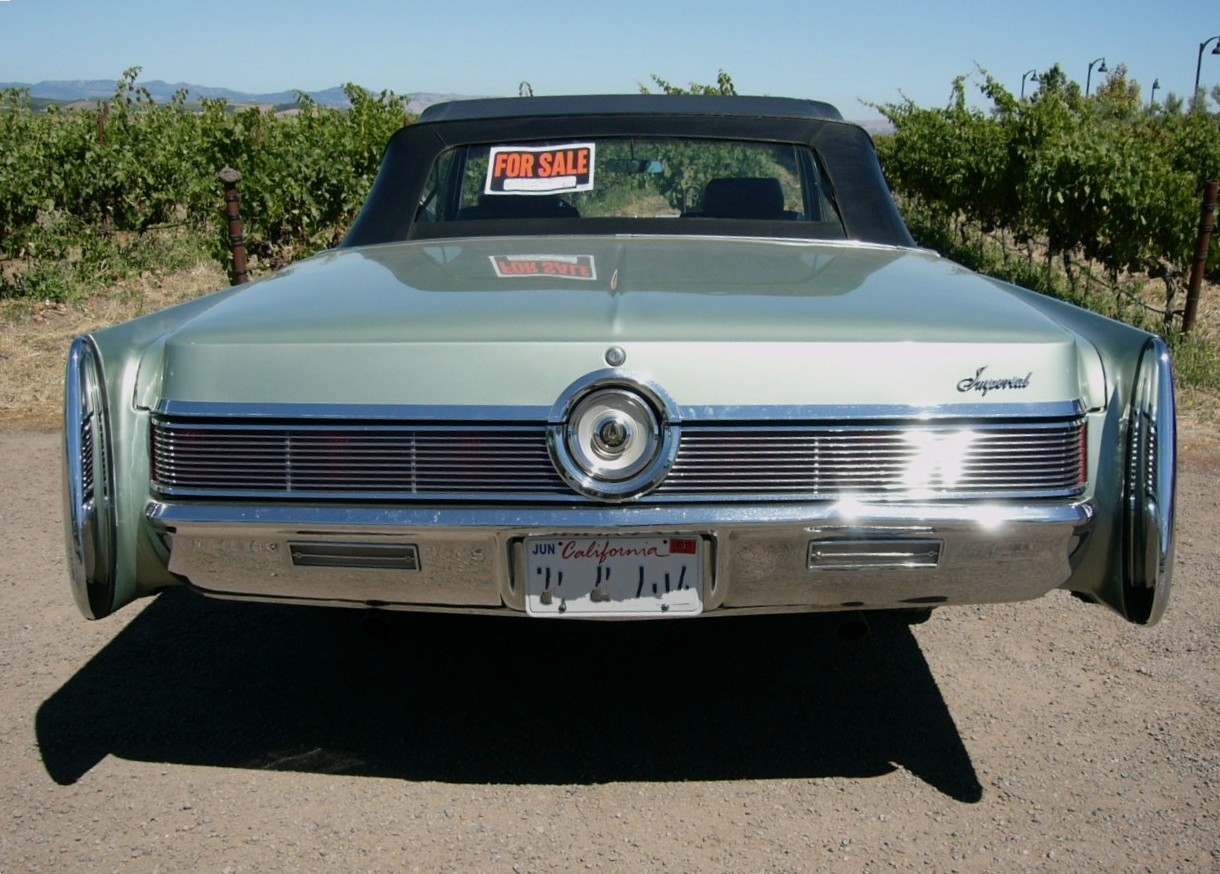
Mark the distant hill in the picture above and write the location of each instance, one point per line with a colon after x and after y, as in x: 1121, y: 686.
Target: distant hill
x: 877, y: 126
x: 70, y: 91
x: 74, y: 91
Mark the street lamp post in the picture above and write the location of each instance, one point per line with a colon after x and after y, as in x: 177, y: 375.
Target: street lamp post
x: 1199, y: 63
x: 1028, y: 74
x: 1088, y: 78
x: 1156, y: 83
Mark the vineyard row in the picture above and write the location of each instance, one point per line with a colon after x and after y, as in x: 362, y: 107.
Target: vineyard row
x: 1099, y: 181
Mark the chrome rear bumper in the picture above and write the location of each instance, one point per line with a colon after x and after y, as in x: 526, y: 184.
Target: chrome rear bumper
x: 760, y: 558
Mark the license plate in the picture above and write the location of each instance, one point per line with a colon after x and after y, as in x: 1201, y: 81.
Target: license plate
x: 614, y: 576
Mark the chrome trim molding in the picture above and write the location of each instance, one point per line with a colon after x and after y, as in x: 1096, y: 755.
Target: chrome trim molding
x: 483, y: 413
x: 885, y: 413
x: 388, y: 556
x: 703, y: 459
x: 366, y: 412
x: 863, y: 553
x: 908, y: 461
x: 1150, y: 488
x: 395, y: 520
x: 291, y: 460
x: 89, y: 513
x: 655, y: 421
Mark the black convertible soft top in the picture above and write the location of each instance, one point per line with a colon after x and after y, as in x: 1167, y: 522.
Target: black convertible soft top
x: 845, y: 150
x: 628, y: 104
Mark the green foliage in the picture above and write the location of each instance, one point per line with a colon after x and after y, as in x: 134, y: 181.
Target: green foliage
x: 77, y: 187
x: 1101, y: 179
x: 681, y: 190
x: 1116, y: 96
x: 691, y: 165
x: 723, y: 86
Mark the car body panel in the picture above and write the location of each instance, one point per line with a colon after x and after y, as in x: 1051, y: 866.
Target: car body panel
x: 693, y: 314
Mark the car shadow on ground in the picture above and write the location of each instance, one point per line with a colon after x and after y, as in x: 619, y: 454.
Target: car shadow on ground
x: 505, y: 700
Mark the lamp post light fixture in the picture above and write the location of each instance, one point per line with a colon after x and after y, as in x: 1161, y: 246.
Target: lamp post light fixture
x: 1028, y: 74
x: 1088, y: 78
x: 1156, y: 83
x: 1199, y: 63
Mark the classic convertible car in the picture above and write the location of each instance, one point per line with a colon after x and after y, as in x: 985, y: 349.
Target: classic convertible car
x: 623, y: 356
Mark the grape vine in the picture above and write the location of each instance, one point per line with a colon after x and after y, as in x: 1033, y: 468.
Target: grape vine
x: 1100, y: 180
x: 79, y: 185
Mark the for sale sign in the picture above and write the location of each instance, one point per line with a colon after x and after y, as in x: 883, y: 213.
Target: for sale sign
x: 540, y: 169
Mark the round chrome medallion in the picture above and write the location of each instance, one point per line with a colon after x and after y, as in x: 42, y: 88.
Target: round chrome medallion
x: 612, y: 434
x: 613, y: 437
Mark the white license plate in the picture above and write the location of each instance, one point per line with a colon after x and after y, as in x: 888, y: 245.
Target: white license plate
x: 614, y: 576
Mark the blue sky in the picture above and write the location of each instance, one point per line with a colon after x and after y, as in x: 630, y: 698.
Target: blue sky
x: 843, y: 52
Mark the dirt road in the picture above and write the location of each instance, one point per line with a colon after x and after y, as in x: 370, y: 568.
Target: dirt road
x: 185, y: 734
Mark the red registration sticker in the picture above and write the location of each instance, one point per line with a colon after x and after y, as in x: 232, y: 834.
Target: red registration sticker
x: 683, y: 545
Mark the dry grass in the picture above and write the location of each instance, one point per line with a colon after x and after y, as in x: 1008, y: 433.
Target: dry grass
x: 34, y: 338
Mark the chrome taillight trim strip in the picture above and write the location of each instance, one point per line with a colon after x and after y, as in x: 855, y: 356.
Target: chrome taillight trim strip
x: 473, y: 460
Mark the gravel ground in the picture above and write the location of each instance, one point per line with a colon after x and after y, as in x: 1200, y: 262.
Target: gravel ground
x: 186, y: 734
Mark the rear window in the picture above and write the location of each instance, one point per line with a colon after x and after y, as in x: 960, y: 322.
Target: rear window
x: 690, y: 181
